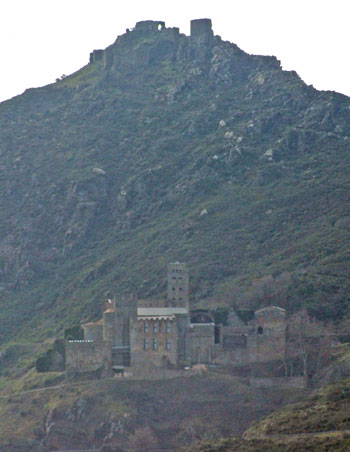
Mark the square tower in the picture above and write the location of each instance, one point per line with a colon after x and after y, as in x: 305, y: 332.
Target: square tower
x: 178, y: 285
x: 201, y: 27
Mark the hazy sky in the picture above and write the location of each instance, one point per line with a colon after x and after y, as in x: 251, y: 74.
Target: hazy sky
x: 42, y: 39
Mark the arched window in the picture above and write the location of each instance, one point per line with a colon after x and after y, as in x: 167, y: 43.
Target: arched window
x: 260, y: 330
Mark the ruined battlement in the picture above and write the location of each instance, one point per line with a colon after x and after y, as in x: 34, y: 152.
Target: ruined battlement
x: 200, y: 27
x: 163, y: 42
x: 96, y: 55
x: 150, y: 25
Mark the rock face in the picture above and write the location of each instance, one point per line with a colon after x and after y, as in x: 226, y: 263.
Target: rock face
x: 101, y: 171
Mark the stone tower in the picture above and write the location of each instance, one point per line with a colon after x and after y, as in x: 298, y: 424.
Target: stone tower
x: 178, y: 285
x: 200, y: 27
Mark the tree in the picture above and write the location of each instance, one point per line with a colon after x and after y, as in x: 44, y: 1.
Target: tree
x: 309, y: 342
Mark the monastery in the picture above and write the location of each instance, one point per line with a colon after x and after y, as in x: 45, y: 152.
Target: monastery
x: 142, y: 337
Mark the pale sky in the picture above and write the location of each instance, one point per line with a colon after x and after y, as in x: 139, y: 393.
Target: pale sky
x: 42, y: 39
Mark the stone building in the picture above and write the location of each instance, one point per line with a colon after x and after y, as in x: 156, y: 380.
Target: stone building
x: 149, y: 335
x: 262, y: 339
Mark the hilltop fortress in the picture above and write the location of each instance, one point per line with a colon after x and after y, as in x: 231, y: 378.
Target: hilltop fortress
x: 148, y: 335
x: 151, y: 43
x: 168, y: 42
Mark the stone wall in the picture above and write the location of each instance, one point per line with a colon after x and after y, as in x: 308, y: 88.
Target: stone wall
x: 266, y: 340
x: 93, y: 332
x: 87, y: 356
x: 200, y: 27
x: 109, y: 327
x: 262, y: 340
x: 121, y: 356
x: 202, y: 342
x: 96, y: 55
x: 284, y: 382
x: 183, y: 339
x: 152, y: 344
x: 149, y: 25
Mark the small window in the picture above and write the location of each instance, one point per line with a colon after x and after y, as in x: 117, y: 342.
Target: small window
x: 217, y: 334
x: 155, y: 327
x: 174, y: 277
x: 260, y: 330
x: 146, y: 344
x: 155, y: 343
x: 146, y: 327
x: 168, y: 344
x: 168, y: 327
x: 180, y: 288
x: 173, y: 288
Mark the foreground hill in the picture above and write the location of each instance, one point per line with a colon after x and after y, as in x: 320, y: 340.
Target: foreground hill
x: 131, y: 415
x: 172, y: 148
x: 320, y: 423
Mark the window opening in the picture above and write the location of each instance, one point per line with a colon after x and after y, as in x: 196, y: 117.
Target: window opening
x: 217, y: 338
x: 155, y: 344
x: 260, y: 330
x: 168, y: 327
x: 146, y: 327
x: 146, y: 344
x: 168, y: 344
x: 155, y: 327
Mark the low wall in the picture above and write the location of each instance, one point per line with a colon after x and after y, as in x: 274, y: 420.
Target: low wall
x: 284, y: 382
x: 87, y: 356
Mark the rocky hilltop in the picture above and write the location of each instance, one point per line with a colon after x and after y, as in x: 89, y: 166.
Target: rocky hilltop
x: 171, y: 147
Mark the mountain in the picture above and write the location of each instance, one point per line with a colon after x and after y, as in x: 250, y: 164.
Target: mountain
x: 170, y: 147
x: 166, y: 148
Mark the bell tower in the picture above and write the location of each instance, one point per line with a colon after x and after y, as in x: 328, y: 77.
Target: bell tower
x: 178, y: 285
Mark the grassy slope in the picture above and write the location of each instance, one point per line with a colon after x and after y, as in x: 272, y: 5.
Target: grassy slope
x: 320, y: 423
